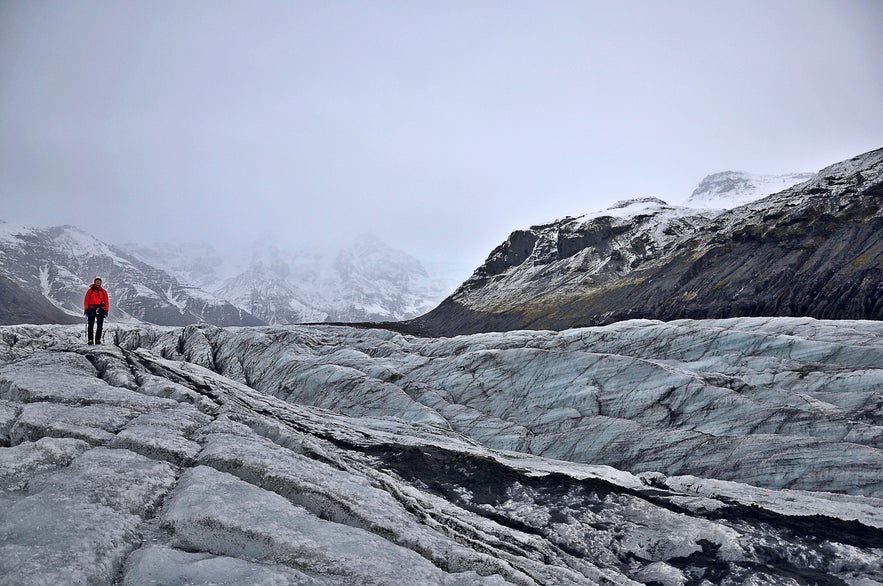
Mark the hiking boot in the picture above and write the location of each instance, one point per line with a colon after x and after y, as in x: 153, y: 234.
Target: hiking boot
x: 97, y: 341
x: 90, y: 342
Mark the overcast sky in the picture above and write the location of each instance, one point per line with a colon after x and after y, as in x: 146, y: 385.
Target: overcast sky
x: 438, y: 126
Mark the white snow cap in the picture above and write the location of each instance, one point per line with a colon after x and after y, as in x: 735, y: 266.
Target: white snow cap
x: 731, y: 189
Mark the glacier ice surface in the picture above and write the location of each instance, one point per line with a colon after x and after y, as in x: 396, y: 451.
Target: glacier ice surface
x: 726, y: 451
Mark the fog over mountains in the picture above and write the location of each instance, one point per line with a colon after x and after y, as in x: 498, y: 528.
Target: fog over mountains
x: 651, y: 394
x: 363, y: 280
x: 183, y: 284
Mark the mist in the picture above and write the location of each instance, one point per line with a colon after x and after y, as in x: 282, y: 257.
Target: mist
x: 439, y: 127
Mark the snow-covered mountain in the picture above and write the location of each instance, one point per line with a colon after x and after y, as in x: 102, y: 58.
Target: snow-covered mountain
x: 731, y: 189
x: 45, y: 272
x: 741, y: 451
x: 813, y: 249
x: 362, y: 281
x: 59, y: 263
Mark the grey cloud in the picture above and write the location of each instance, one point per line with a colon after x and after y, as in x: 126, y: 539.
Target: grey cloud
x: 439, y: 126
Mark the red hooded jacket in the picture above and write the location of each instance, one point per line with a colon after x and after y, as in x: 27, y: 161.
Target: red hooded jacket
x: 96, y: 296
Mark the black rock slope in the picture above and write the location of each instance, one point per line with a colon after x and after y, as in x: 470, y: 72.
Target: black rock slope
x: 23, y: 307
x: 813, y: 250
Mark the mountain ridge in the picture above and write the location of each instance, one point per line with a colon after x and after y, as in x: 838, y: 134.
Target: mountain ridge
x: 813, y: 249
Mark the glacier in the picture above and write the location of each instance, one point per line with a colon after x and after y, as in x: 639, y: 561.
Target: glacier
x: 744, y: 450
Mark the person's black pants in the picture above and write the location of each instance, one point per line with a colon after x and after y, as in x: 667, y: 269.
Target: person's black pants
x: 95, y: 319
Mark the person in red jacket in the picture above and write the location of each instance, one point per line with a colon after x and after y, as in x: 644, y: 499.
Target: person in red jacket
x: 96, y: 305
